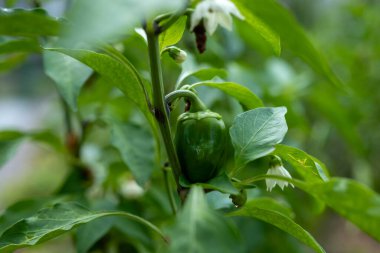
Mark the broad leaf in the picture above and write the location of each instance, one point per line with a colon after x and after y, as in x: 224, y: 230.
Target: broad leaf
x: 68, y: 73
x: 304, y: 164
x: 20, y: 45
x: 51, y: 222
x: 260, y: 27
x: 293, y: 36
x: 118, y: 74
x: 27, y: 23
x: 241, y: 93
x: 174, y: 34
x: 200, y: 229
x: 274, y: 215
x: 136, y: 146
x: 255, y: 133
x: 352, y: 200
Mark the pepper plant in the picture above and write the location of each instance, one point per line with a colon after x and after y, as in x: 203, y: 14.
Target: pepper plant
x: 175, y: 171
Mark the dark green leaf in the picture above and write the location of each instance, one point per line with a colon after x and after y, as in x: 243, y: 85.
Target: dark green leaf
x: 68, y: 73
x: 51, y: 222
x: 200, y: 229
x: 174, y: 34
x: 304, y: 164
x: 27, y: 23
x: 255, y: 133
x: 273, y: 214
x: 220, y: 183
x: 12, y: 61
x: 245, y: 96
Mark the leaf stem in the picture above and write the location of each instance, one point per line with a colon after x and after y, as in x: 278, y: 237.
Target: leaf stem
x: 196, y: 103
x: 169, y: 190
x: 159, y: 107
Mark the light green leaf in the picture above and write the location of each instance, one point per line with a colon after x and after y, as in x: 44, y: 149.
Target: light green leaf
x: 68, y: 73
x: 304, y: 164
x: 293, y: 37
x: 255, y: 133
x: 92, y: 21
x: 174, y: 34
x: 260, y: 27
x: 244, y: 95
x: 51, y: 222
x: 20, y: 45
x: 270, y: 214
x: 200, y: 229
x: 220, y: 183
x: 10, y: 140
x: 352, y: 200
x: 27, y: 23
x: 136, y: 146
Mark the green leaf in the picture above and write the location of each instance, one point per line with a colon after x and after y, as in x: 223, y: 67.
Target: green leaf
x: 260, y: 27
x: 244, y: 95
x: 270, y: 214
x: 27, y: 23
x: 20, y: 45
x: 120, y: 75
x: 255, y: 133
x: 352, y: 200
x: 200, y: 229
x: 303, y: 163
x: 220, y: 183
x: 12, y: 61
x: 51, y: 222
x: 293, y: 36
x: 136, y: 146
x: 68, y: 73
x: 200, y: 74
x: 92, y: 21
x: 10, y: 140
x: 174, y: 34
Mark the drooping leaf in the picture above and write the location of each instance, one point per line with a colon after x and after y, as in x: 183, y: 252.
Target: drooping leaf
x: 273, y: 214
x: 173, y: 34
x: 260, y: 27
x: 255, y: 133
x: 292, y: 35
x: 352, y: 200
x: 20, y: 45
x: 200, y: 229
x: 68, y: 73
x: 51, y: 222
x: 27, y: 23
x: 245, y: 96
x: 304, y: 164
x: 11, y: 139
x: 136, y: 146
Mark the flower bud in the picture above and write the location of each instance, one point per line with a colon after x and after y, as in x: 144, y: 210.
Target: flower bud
x: 178, y: 55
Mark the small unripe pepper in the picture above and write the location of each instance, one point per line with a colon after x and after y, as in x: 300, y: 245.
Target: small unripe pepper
x: 200, y: 142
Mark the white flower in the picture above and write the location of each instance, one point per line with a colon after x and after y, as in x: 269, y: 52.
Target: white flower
x: 214, y: 13
x: 277, y: 169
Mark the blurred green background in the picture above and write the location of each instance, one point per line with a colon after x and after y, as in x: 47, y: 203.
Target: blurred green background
x: 338, y: 125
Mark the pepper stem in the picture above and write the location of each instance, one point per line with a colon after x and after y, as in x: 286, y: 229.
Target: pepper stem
x: 196, y: 103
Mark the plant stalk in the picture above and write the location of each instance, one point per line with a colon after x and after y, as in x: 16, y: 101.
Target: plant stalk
x: 159, y: 106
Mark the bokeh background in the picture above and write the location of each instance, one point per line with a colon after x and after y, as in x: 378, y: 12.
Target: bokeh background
x: 338, y: 125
